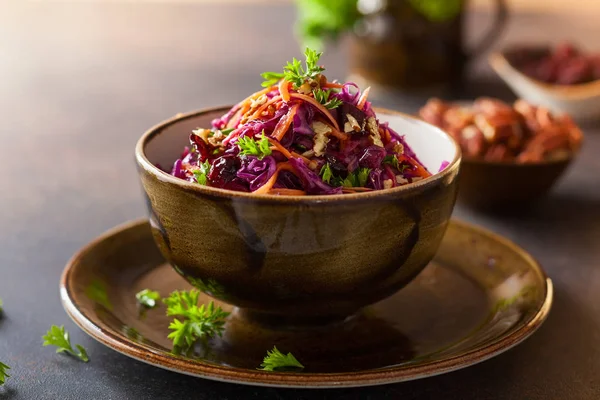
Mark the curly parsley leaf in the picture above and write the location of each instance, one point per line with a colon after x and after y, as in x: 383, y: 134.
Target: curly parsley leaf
x: 294, y: 72
x: 59, y: 337
x: 275, y: 360
x: 358, y: 178
x: 250, y: 147
x: 3, y: 373
x: 147, y: 298
x: 323, y: 97
x: 326, y: 173
x: 196, y: 322
x: 202, y: 172
x: 394, y: 162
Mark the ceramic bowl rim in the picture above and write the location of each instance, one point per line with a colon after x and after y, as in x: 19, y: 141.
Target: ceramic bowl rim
x: 579, y: 91
x: 157, y: 173
x: 298, y: 380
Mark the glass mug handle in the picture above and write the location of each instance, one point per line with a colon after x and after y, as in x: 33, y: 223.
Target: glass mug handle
x: 500, y: 19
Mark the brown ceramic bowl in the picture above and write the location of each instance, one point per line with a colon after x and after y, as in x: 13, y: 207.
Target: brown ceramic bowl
x: 501, y: 186
x: 297, y: 259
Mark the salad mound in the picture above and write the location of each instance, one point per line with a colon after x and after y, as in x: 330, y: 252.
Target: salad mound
x: 301, y: 135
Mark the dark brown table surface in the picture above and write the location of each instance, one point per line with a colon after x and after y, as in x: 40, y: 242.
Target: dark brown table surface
x: 79, y: 84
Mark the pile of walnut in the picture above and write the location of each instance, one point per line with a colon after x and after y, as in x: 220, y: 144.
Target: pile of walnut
x: 495, y: 131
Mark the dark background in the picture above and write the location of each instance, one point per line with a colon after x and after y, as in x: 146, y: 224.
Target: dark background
x: 79, y: 83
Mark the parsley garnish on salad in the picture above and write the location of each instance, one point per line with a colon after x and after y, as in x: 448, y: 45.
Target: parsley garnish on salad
x: 279, y: 140
x: 251, y: 147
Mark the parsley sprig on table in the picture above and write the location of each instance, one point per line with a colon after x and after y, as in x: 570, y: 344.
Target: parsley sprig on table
x: 3, y: 373
x: 294, y: 72
x: 251, y: 147
x: 197, y: 322
x: 59, y: 337
x: 148, y: 298
x: 275, y: 360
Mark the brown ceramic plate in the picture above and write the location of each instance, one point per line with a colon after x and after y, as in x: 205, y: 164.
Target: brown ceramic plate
x: 480, y: 296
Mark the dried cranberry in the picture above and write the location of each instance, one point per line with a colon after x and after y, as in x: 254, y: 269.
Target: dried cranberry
x: 201, y: 147
x: 223, y: 171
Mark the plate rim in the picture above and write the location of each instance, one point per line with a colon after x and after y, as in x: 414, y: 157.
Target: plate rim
x: 400, y: 373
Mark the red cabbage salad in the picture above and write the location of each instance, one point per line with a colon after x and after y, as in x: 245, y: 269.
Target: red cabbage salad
x: 301, y: 135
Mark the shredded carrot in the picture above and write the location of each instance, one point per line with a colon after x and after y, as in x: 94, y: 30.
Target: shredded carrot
x: 363, y: 98
x: 235, y: 119
x: 418, y: 167
x: 287, y: 192
x: 332, y: 85
x: 256, y: 94
x: 264, y: 189
x: 319, y: 106
x: 284, y: 90
x: 258, y: 112
x: 338, y: 134
x: 386, y: 134
x: 284, y: 123
x: 277, y: 146
x: 311, y: 164
x: 231, y: 136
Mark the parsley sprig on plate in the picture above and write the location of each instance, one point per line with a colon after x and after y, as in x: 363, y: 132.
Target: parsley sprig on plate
x: 275, y: 360
x: 3, y: 373
x: 59, y: 337
x: 147, y: 298
x: 195, y: 322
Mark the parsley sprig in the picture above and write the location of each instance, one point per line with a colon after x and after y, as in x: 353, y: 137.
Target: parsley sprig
x: 323, y: 97
x: 201, y: 173
x: 3, y: 373
x: 394, y: 162
x: 1, y: 309
x: 294, y: 72
x: 59, y: 337
x: 196, y: 322
x: 251, y: 147
x: 326, y: 173
x: 147, y: 298
x: 358, y: 178
x: 275, y: 360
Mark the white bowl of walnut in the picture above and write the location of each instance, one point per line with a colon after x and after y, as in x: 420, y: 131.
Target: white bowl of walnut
x: 512, y: 154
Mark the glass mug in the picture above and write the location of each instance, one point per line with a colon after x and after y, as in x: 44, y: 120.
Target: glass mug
x: 397, y: 46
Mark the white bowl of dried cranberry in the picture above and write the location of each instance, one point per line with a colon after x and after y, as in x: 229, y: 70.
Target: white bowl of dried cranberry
x: 564, y: 79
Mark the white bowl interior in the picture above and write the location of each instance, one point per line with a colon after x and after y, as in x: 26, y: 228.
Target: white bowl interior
x: 432, y: 146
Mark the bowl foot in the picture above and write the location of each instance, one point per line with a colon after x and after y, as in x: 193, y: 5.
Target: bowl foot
x: 290, y: 322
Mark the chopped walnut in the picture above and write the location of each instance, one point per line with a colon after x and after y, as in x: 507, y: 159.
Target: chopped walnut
x: 259, y: 101
x: 203, y: 134
x: 398, y: 148
x: 216, y: 139
x: 305, y: 88
x: 500, y: 132
x: 352, y: 124
x: 321, y: 139
x: 388, y: 184
x: 400, y: 180
x: 374, y: 130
